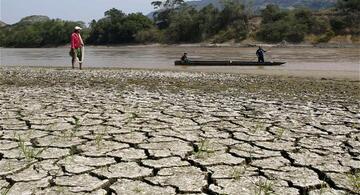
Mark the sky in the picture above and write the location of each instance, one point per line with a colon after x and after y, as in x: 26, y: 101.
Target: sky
x: 85, y: 10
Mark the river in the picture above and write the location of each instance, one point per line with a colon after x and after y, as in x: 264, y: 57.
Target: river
x: 301, y: 61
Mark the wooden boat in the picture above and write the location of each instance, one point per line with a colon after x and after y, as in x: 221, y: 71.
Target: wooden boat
x: 227, y: 63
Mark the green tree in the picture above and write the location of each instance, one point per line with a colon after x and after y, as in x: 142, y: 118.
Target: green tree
x: 348, y: 16
x: 273, y: 13
x: 152, y: 35
x: 275, y: 24
x: 348, y: 5
x: 232, y: 22
x: 208, y: 19
x: 183, y: 26
x: 292, y: 26
x: 186, y: 24
x: 38, y: 33
x: 2, y: 37
x: 114, y: 14
x: 117, y: 27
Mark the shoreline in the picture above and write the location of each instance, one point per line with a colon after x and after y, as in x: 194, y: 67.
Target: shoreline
x: 267, y: 85
x: 215, y: 45
x: 299, y: 74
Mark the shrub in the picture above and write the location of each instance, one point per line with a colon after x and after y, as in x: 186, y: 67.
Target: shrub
x: 152, y: 35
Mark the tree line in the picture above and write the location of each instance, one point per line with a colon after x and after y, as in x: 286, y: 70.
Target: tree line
x: 37, y: 34
x: 176, y: 22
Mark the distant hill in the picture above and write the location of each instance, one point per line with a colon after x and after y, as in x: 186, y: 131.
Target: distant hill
x: 33, y: 19
x: 203, y: 3
x: 260, y: 4
x: 2, y: 24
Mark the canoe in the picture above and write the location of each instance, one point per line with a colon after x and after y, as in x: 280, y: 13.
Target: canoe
x: 227, y: 63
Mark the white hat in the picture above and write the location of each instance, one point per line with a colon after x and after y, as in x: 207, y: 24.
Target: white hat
x: 78, y: 28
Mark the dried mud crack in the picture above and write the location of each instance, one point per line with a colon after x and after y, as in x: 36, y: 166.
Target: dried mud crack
x: 159, y: 132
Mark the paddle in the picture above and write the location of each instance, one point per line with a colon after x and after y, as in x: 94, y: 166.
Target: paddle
x: 270, y: 56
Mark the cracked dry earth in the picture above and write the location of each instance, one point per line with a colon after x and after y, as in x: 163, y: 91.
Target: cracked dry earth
x: 66, y: 135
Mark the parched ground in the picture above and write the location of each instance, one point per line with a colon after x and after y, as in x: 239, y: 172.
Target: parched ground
x: 159, y: 132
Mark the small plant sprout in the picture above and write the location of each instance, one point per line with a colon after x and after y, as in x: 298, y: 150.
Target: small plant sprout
x: 100, y: 137
x: 354, y: 180
x: 4, y: 191
x: 70, y: 133
x: 76, y: 127
x: 137, y: 190
x: 132, y: 117
x: 203, y: 151
x: 355, y: 125
x: 264, y: 187
x: 76, y: 122
x: 250, y: 153
x: 238, y: 172
x: 104, y: 168
x: 60, y: 190
x: 279, y: 133
x: 257, y: 127
x: 322, y: 191
x: 29, y: 153
x: 73, y: 150
x: 64, y: 134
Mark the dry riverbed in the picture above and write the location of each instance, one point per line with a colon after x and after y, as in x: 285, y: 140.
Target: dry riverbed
x: 162, y: 132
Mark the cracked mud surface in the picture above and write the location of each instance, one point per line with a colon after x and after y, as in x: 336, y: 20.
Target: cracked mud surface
x: 148, y: 132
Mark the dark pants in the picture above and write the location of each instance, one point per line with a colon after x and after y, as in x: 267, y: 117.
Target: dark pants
x: 261, y: 59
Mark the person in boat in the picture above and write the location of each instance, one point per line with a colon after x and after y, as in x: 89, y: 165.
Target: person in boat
x: 260, y: 54
x: 185, y: 59
x: 76, y: 47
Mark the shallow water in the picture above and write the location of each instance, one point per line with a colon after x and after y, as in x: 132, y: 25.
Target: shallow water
x: 323, y: 61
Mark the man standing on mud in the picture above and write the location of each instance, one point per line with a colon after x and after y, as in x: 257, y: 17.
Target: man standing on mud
x: 76, y: 47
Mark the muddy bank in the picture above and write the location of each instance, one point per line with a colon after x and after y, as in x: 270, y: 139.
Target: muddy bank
x: 266, y: 85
